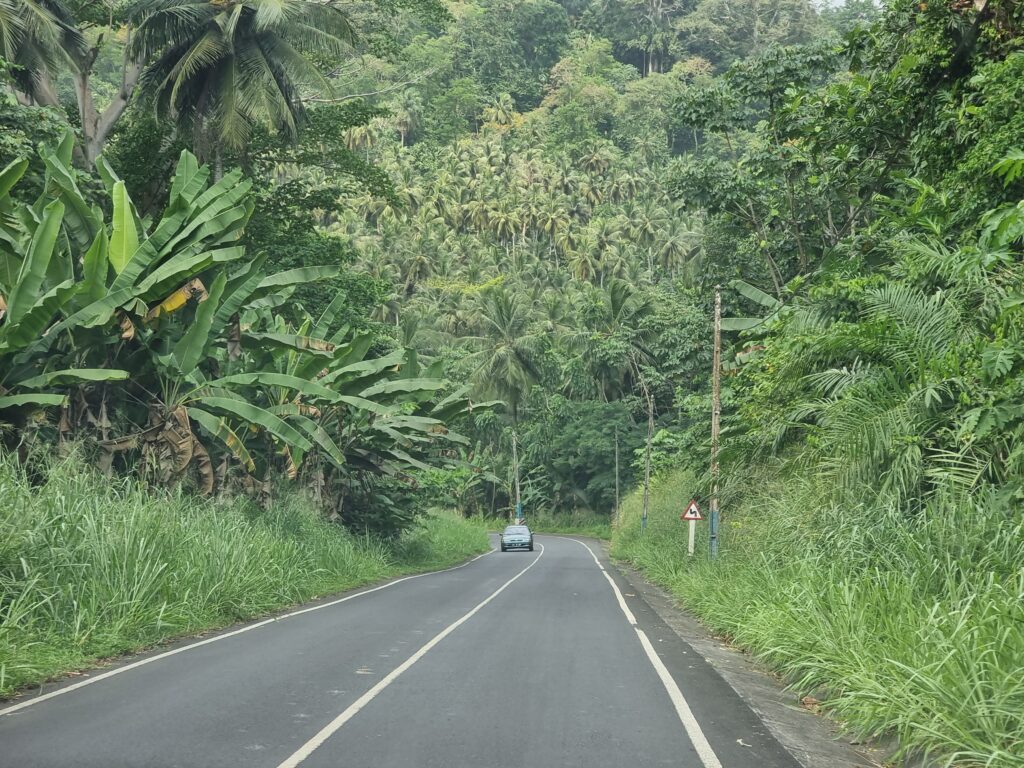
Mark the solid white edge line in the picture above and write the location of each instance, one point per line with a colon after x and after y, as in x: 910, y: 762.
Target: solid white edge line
x: 247, y: 628
x: 353, y: 709
x: 693, y: 730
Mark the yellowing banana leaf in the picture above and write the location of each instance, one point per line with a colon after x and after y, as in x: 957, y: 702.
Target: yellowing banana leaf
x: 178, y: 299
x: 219, y: 428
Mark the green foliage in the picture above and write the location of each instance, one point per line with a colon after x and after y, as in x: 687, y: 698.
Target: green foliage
x: 853, y: 603
x: 138, y: 566
x: 192, y: 340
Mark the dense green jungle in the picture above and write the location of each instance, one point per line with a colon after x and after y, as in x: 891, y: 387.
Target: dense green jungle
x: 373, y: 259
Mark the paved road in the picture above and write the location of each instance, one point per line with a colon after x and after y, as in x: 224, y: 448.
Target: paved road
x: 539, y: 660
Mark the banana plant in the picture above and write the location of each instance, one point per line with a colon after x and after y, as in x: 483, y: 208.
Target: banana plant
x: 36, y: 284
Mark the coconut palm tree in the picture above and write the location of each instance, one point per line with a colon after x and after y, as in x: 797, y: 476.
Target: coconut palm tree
x: 37, y: 36
x: 506, y: 352
x: 220, y: 69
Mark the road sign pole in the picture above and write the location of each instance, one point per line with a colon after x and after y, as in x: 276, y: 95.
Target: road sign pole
x: 691, y: 515
x: 716, y: 417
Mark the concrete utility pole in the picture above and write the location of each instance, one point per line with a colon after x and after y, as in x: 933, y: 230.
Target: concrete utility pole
x: 515, y: 463
x: 716, y: 417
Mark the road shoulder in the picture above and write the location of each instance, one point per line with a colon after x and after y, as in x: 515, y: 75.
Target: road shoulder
x: 813, y: 741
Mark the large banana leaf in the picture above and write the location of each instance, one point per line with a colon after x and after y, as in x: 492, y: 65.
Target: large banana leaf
x: 35, y: 398
x: 10, y: 175
x: 240, y: 287
x: 30, y: 328
x: 322, y: 439
x: 253, y: 414
x: 220, y: 429
x: 73, y: 376
x: 82, y: 221
x: 96, y: 267
x: 33, y: 270
x: 288, y: 341
x: 182, y: 267
x: 407, y: 386
x: 360, y: 371
x: 189, y: 180
x: 267, y: 378
x: 191, y: 347
x: 124, y: 238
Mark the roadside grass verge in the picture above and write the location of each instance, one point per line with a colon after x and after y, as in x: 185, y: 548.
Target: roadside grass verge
x: 91, y: 566
x: 903, y: 626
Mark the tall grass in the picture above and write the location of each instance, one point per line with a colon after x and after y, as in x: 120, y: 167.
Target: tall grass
x: 91, y: 567
x: 905, y: 626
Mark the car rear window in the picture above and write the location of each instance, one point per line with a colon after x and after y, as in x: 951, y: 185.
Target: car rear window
x: 517, y: 529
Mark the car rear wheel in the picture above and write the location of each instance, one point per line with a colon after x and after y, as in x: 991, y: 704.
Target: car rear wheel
x: 531, y: 547
x: 503, y: 549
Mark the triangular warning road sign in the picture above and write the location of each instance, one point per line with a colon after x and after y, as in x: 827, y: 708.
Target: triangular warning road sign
x: 692, y: 512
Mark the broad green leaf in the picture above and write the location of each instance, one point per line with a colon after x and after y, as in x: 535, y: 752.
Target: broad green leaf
x: 322, y: 439
x: 33, y: 269
x: 181, y: 268
x: 81, y: 221
x: 299, y: 276
x: 364, y: 367
x: 191, y: 347
x: 326, y: 319
x: 10, y: 175
x: 240, y: 287
x: 124, y: 238
x: 289, y: 341
x: 365, y: 404
x: 403, y: 385
x: 107, y: 174
x: 96, y: 267
x: 73, y: 376
x: 13, y: 401
x: 259, y: 416
x: 270, y: 379
x: 741, y: 323
x: 189, y: 179
x: 34, y: 323
x: 755, y: 294
x: 405, y: 458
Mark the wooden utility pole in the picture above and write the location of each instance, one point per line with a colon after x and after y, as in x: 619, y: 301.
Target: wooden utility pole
x: 615, y: 517
x: 716, y: 417
x: 647, y: 456
x: 515, y: 463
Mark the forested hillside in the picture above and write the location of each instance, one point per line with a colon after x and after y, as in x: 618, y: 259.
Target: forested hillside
x: 389, y: 253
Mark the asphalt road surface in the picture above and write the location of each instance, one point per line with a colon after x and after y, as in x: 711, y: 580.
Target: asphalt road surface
x: 541, y: 660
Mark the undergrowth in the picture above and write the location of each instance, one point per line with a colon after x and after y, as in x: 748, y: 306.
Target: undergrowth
x: 92, y: 566
x: 910, y: 626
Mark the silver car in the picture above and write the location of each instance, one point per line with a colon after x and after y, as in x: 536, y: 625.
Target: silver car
x: 517, y: 537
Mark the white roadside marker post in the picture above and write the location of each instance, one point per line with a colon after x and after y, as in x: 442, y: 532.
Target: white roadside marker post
x: 691, y: 516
